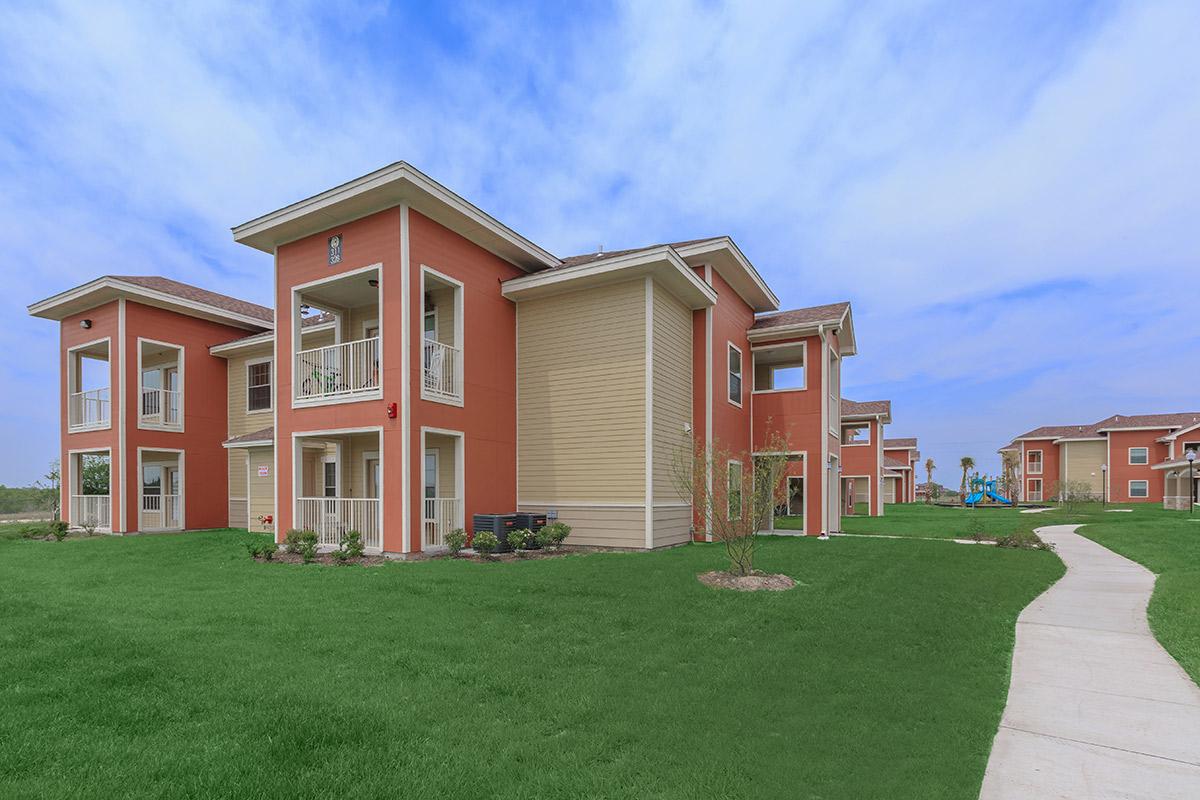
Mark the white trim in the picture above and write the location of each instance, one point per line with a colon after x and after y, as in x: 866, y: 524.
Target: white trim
x: 397, y: 184
x: 66, y: 480
x: 1041, y: 467
x: 727, y: 244
x: 72, y: 388
x: 648, y: 444
x: 708, y: 393
x: 218, y: 314
x: 855, y: 424
x: 578, y: 504
x: 406, y: 528
x: 460, y: 300
x: 460, y: 471
x: 121, y: 444
x: 163, y: 486
x: 275, y: 521
x: 729, y: 373
x: 179, y: 367
x: 835, y: 392
x: 250, y: 362
x: 870, y: 494
x: 1133, y: 496
x: 1133, y: 463
x: 802, y: 344
x: 1140, y: 428
x: 825, y: 462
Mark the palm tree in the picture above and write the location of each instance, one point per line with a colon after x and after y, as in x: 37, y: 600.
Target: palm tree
x: 929, y: 467
x: 967, y: 465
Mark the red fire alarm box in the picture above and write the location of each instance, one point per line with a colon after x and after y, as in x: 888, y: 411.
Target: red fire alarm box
x: 391, y: 408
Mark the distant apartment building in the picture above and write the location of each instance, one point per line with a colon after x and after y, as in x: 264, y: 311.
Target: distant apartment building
x: 901, y: 461
x: 864, y: 475
x: 1124, y: 458
x: 422, y: 362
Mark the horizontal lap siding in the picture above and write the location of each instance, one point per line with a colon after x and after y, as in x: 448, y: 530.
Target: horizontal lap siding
x: 581, y: 397
x: 672, y: 388
x: 262, y: 489
x: 599, y: 526
x: 240, y: 420
x: 672, y: 525
x: 1082, y: 462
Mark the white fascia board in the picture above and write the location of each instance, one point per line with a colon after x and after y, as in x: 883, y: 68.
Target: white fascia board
x: 385, y: 188
x: 661, y: 262
x: 732, y: 266
x: 1081, y: 439
x: 107, y: 289
x: 1141, y: 428
x: 242, y: 445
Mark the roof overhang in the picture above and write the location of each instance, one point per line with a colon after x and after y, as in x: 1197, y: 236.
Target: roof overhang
x: 250, y: 443
x: 239, y: 346
x: 387, y: 188
x: 1179, y: 463
x: 1081, y: 439
x: 106, y: 289
x: 729, y: 262
x: 1173, y: 435
x: 1139, y: 428
x: 883, y: 417
x: 843, y: 325
x: 1035, y: 439
x: 661, y: 263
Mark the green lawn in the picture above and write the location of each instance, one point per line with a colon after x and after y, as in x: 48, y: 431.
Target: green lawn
x: 918, y: 519
x: 173, y: 665
x: 1167, y: 543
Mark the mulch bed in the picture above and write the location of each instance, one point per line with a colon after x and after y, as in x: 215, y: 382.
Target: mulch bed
x: 755, y: 582
x: 284, y: 557
x: 325, y: 559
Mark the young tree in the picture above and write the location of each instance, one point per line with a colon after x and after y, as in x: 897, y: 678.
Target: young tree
x: 50, y: 493
x: 929, y: 468
x: 1008, y: 462
x: 743, y: 493
x: 967, y: 463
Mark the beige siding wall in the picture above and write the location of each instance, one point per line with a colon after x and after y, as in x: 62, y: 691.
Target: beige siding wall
x: 599, y: 526
x: 262, y: 489
x: 443, y: 299
x: 672, y: 526
x: 581, y: 400
x: 356, y: 318
x: 1081, y: 462
x: 445, y: 447
x: 672, y: 393
x: 240, y: 420
x: 354, y: 449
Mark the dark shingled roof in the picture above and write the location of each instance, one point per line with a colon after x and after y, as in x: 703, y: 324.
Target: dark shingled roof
x: 813, y: 315
x: 195, y: 294
x: 1057, y: 432
x: 867, y: 408
x: 588, y: 258
x: 263, y: 435
x: 1181, y: 419
x: 894, y: 463
x: 895, y: 443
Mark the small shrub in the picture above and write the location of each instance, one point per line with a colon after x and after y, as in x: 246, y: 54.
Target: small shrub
x: 976, y: 529
x: 89, y: 528
x: 291, y: 541
x: 352, y: 545
x: 1023, y: 540
x: 58, y: 528
x: 518, y: 540
x: 302, y: 543
x: 551, y: 536
x: 263, y: 550
x: 340, y: 556
x: 456, y: 540
x: 35, y: 530
x: 485, y: 543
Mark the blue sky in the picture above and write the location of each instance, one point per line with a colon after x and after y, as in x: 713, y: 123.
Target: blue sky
x: 1006, y: 192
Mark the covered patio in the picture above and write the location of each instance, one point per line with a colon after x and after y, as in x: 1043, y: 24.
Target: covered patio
x: 337, y: 478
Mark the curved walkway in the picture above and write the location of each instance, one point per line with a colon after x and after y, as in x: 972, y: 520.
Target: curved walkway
x: 1096, y: 707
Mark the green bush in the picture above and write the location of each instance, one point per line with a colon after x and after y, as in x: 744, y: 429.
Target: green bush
x: 456, y: 540
x: 1023, y: 540
x: 340, y: 556
x: 552, y: 536
x: 264, y: 550
x: 59, y: 529
x: 485, y: 543
x: 35, y: 530
x: 302, y: 543
x: 291, y: 541
x: 518, y: 539
x: 352, y: 545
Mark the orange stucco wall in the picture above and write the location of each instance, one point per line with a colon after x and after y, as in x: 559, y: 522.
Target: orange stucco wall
x: 488, y: 417
x: 205, y: 409
x: 1120, y: 471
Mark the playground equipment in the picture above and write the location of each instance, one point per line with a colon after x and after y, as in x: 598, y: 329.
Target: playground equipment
x: 983, y: 492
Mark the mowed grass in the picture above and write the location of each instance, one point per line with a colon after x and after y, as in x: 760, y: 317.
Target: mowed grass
x: 941, y: 522
x: 1167, y: 543
x: 173, y: 665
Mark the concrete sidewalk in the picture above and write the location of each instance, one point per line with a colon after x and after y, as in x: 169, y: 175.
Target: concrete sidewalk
x: 1096, y: 707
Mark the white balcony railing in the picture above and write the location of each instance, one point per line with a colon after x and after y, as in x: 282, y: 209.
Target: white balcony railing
x: 91, y: 509
x: 161, y: 407
x: 90, y: 409
x: 330, y: 517
x: 441, y: 515
x: 442, y: 371
x: 161, y: 512
x: 339, y: 370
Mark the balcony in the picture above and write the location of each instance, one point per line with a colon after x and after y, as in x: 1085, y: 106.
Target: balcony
x: 442, y: 370
x: 161, y: 512
x: 91, y: 510
x: 161, y: 408
x: 87, y: 481
x: 160, y: 507
x: 337, y: 486
x: 160, y: 385
x: 338, y: 370
x: 441, y: 515
x: 89, y: 410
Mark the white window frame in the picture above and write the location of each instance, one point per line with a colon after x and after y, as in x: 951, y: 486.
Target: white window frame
x: 729, y: 373
x: 803, y: 367
x: 741, y: 496
x: 1133, y: 463
x: 1144, y: 496
x: 337, y: 472
x: 862, y: 443
x: 460, y: 305
x: 179, y: 366
x: 73, y: 387
x: 833, y: 394
x: 270, y: 383
x: 1029, y: 490
x: 1041, y: 465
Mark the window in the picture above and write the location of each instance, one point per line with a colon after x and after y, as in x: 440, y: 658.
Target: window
x: 835, y: 392
x: 1139, y: 488
x: 735, y: 490
x: 1034, y: 457
x: 431, y: 474
x: 1139, y: 455
x: 1190, y: 446
x: 857, y: 433
x: 735, y: 375
x: 1035, y: 490
x: 330, y: 477
x: 258, y: 386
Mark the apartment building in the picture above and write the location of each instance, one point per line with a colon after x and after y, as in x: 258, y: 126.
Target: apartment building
x: 1123, y: 458
x: 865, y: 476
x: 902, y: 465
x: 423, y: 363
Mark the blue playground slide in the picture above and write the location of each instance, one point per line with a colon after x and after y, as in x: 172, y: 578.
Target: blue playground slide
x: 998, y: 498
x: 973, y: 498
